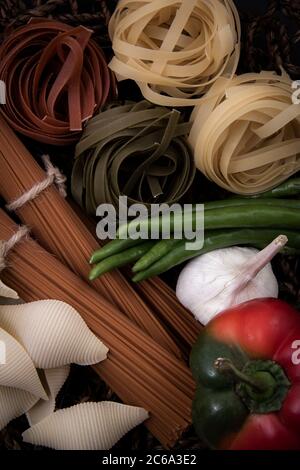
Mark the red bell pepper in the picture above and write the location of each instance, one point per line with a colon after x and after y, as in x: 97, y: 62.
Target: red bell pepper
x: 246, y: 365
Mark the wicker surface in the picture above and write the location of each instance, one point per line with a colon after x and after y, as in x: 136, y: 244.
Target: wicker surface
x: 271, y: 39
x: 94, y: 14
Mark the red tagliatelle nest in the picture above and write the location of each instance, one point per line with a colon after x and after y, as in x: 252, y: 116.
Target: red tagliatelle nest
x: 56, y: 78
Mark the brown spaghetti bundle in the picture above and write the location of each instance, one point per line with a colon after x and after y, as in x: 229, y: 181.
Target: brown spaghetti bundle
x: 56, y: 77
x: 171, y: 313
x: 138, y: 370
x: 62, y: 232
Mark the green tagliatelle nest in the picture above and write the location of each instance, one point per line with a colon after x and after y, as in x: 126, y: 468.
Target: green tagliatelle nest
x: 136, y: 150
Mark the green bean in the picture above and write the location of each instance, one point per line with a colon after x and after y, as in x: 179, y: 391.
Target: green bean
x: 114, y: 247
x: 237, y: 202
x: 159, y: 250
x: 249, y: 215
x: 215, y: 240
x: 287, y: 189
x: 120, y: 259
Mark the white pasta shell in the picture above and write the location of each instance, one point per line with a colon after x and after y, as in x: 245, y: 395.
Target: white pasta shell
x: 55, y: 379
x: 16, y: 368
x: 7, y: 292
x: 88, y: 426
x: 14, y: 403
x: 53, y: 334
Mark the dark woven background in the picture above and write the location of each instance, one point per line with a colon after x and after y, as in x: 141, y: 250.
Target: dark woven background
x: 271, y: 39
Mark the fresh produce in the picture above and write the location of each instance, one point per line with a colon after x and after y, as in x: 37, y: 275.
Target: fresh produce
x: 248, y: 392
x: 223, y: 278
x: 160, y: 249
x: 215, y: 239
x: 118, y: 260
x: 225, y: 215
x: 228, y: 222
x: 114, y: 247
x: 287, y: 189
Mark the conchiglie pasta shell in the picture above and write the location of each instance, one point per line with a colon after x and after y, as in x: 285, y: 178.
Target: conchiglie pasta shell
x: 55, y: 379
x: 88, y: 426
x: 52, y: 333
x: 17, y: 369
x: 14, y: 403
x: 7, y: 292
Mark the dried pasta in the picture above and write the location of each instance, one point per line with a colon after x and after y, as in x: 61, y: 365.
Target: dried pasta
x: 175, y: 49
x: 246, y: 137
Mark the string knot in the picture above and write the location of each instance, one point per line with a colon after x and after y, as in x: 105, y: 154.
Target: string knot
x: 54, y: 176
x: 8, y: 245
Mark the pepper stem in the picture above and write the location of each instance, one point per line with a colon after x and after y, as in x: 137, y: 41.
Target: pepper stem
x: 260, y: 260
x: 226, y: 365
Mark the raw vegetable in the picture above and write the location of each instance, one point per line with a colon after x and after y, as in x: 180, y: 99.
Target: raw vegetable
x: 120, y: 259
x: 114, y: 247
x: 288, y: 189
x: 214, y: 240
x: 248, y: 388
x: 237, y: 216
x: 160, y: 249
x: 223, y: 278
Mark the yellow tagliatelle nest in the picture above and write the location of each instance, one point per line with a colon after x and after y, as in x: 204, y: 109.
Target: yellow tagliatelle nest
x: 247, y: 138
x: 175, y: 50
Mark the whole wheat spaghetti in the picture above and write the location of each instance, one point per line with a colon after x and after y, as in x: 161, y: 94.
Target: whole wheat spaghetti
x: 171, y: 313
x: 139, y: 371
x: 62, y: 232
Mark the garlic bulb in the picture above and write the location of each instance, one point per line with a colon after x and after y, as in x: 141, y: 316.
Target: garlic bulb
x: 226, y: 277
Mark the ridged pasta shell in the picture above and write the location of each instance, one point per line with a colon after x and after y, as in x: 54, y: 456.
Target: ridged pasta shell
x: 14, y: 403
x: 55, y: 379
x: 88, y: 426
x: 7, y: 292
x: 52, y: 333
x: 16, y: 368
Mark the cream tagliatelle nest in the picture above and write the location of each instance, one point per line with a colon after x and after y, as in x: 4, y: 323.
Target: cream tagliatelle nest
x: 175, y: 49
x: 246, y: 133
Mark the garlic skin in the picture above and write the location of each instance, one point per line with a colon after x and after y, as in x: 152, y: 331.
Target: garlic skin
x: 221, y: 279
